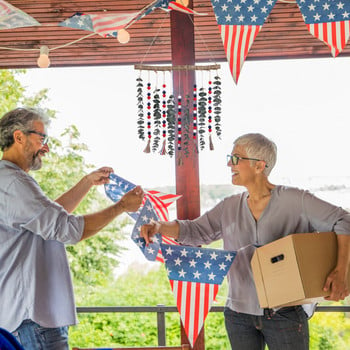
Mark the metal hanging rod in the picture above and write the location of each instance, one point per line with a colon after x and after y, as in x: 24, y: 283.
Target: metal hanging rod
x: 172, y: 68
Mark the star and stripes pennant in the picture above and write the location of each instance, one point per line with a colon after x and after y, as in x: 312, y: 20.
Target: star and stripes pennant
x: 154, y: 207
x: 327, y: 20
x: 103, y: 24
x: 195, y: 275
x: 12, y: 17
x: 239, y: 23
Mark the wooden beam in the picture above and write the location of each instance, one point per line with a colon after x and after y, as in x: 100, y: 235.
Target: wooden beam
x: 187, y: 166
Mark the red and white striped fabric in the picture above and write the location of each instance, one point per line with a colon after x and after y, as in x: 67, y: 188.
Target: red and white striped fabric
x: 181, y: 8
x: 106, y: 24
x: 194, y: 300
x: 237, y: 40
x: 334, y: 34
x: 160, y: 202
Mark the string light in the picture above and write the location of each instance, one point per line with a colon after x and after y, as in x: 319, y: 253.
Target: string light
x: 123, y: 36
x: 43, y: 60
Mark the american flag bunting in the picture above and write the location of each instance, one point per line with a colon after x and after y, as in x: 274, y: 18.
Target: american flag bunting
x: 195, y: 275
x: 13, y: 17
x: 154, y: 207
x: 327, y: 20
x: 104, y: 24
x: 239, y: 23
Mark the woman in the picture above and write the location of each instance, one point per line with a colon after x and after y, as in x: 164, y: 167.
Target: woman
x: 262, y: 214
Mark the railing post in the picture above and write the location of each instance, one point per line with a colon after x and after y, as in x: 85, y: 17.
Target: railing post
x: 161, y: 325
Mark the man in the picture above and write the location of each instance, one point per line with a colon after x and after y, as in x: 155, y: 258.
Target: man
x: 37, y: 301
x: 263, y: 213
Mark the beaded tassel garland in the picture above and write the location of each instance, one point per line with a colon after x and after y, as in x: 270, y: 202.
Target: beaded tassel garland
x: 165, y: 113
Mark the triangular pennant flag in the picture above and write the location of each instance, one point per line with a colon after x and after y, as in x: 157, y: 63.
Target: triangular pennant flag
x: 239, y: 23
x: 12, y: 17
x: 195, y: 275
x: 152, y: 208
x: 329, y: 21
x: 104, y: 24
x: 177, y: 6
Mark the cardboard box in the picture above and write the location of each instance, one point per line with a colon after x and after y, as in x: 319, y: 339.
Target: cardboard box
x: 293, y: 269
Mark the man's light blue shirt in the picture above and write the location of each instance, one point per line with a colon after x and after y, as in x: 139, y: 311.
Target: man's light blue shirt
x: 35, y: 281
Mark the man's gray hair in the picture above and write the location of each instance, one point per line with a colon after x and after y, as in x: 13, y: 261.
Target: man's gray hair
x: 19, y: 119
x: 260, y: 147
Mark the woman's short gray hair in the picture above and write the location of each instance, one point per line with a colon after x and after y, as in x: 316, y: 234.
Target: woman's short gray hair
x: 260, y: 147
x: 19, y: 119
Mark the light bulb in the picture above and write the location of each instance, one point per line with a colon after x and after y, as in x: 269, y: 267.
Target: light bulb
x: 123, y: 36
x: 43, y: 60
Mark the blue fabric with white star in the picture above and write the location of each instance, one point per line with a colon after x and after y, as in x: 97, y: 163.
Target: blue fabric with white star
x: 147, y: 214
x: 242, y: 12
x: 324, y: 11
x: 193, y: 264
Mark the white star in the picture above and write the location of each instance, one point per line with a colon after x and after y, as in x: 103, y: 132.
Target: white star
x: 253, y: 18
x: 345, y: 14
x: 193, y: 263
x: 182, y: 273
x: 238, y: 8
x: 169, y: 251
x: 213, y: 256
x: 228, y: 18
x: 340, y: 5
x: 150, y: 250
x: 228, y: 257
x: 149, y: 207
x: 222, y: 266
x: 270, y: 2
x: 241, y: 18
x: 168, y: 271
x: 256, y: 1
x: 325, y: 6
x: 317, y: 17
x: 207, y: 265
x: 140, y: 244
x: 155, y: 239
x: 199, y: 254
x: 196, y: 274
x: 311, y: 7
x: 211, y: 276
x: 264, y: 9
x: 250, y: 8
x: 224, y: 8
x: 243, y: 1
x: 80, y: 23
x: 184, y: 252
x: 144, y: 218
x: 331, y: 15
x: 178, y: 261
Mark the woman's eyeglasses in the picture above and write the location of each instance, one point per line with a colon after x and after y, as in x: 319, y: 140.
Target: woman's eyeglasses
x: 235, y: 159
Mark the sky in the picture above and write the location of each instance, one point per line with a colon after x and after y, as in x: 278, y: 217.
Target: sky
x: 301, y: 104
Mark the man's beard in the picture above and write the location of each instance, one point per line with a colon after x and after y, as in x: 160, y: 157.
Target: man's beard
x: 34, y: 161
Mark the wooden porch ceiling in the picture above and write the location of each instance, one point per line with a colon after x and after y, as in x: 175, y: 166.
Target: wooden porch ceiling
x: 283, y: 36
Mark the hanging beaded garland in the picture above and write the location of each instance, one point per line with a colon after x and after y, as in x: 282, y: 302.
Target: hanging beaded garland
x: 165, y: 113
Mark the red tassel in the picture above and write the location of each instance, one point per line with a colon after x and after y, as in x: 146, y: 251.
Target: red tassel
x: 211, y: 146
x: 148, y: 147
x: 163, y: 150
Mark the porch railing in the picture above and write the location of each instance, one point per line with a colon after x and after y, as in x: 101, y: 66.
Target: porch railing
x: 162, y: 309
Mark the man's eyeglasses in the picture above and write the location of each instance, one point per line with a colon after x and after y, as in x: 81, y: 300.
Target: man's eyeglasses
x: 45, y: 138
x: 235, y: 159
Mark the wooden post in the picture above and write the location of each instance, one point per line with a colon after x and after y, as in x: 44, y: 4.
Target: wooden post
x: 187, y: 167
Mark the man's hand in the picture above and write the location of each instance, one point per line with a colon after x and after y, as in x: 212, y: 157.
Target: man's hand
x: 99, y: 176
x: 132, y: 200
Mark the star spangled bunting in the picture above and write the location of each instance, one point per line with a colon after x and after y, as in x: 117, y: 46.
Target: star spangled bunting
x: 12, y: 17
x: 104, y: 24
x: 327, y: 20
x: 195, y: 275
x: 155, y: 200
x: 239, y: 23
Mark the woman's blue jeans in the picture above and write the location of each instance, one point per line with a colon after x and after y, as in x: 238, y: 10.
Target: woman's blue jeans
x: 34, y: 337
x: 284, y: 329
